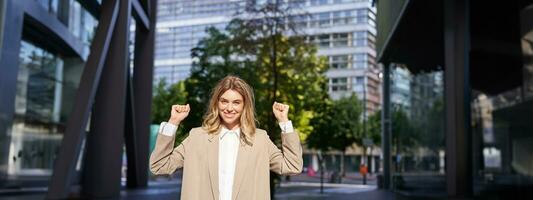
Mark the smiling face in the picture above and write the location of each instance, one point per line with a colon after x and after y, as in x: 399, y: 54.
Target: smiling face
x: 230, y: 108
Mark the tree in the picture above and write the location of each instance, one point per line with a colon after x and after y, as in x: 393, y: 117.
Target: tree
x: 404, y: 135
x: 374, y: 130
x: 320, y: 135
x: 374, y: 127
x: 339, y: 127
x: 434, y: 137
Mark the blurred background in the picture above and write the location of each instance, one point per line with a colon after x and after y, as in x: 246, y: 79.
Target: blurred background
x: 393, y: 99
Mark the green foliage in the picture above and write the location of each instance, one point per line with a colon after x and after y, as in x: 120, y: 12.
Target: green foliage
x: 322, y: 129
x: 164, y: 96
x: 404, y: 135
x: 339, y: 126
x: 374, y: 127
x: 431, y: 127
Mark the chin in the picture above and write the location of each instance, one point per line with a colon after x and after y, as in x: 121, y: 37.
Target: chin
x: 229, y: 121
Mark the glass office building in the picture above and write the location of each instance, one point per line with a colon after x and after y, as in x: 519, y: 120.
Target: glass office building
x: 72, y: 70
x: 43, y: 48
x: 471, y: 97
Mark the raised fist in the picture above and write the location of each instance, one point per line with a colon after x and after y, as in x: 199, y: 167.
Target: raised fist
x: 281, y: 111
x: 178, y: 113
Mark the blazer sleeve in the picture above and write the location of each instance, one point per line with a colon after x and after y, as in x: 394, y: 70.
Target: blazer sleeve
x: 288, y: 160
x: 165, y: 159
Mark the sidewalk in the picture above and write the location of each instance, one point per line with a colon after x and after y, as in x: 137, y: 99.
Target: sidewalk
x: 351, y: 178
x: 171, y: 189
x: 311, y: 190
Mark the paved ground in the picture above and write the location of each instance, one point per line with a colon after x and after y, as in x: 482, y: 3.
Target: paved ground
x: 351, y: 178
x: 299, y: 187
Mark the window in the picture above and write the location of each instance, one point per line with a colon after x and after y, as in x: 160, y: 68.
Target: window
x: 323, y: 40
x: 296, y: 3
x: 338, y: 18
x: 339, y: 84
x: 358, y: 84
x: 360, y: 60
x: 319, y: 2
x: 340, y: 40
x: 299, y: 21
x: 339, y: 61
x: 46, y: 84
x: 359, y: 80
x: 360, y: 38
x: 323, y: 19
x: 313, y: 20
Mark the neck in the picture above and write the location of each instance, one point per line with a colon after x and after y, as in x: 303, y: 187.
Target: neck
x: 232, y: 127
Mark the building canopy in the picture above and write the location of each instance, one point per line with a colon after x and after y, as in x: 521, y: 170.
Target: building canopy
x: 411, y: 32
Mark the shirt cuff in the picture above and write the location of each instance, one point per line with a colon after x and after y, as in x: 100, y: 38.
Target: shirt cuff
x: 167, y: 129
x: 286, y: 127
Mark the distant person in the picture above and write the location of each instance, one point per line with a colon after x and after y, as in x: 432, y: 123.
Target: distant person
x: 228, y: 157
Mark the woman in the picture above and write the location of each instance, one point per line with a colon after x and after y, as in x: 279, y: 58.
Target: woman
x: 228, y: 157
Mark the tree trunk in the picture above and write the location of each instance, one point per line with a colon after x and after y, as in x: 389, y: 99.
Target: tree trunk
x: 343, y: 171
x: 365, y: 163
x: 271, y: 122
x: 321, y: 168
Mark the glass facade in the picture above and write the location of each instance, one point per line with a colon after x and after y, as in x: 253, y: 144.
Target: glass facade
x: 502, y: 136
x: 77, y: 19
x: 42, y: 65
x: 45, y: 84
x: 418, y: 140
x: 2, y: 13
x: 485, y: 114
x: 81, y: 23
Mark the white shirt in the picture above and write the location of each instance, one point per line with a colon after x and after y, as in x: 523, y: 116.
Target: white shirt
x: 228, y: 148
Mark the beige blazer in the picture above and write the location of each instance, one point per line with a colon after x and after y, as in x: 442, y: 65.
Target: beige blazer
x: 198, y: 155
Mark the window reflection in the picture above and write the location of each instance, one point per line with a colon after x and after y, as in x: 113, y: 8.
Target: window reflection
x: 45, y: 84
x: 418, y: 140
x: 78, y: 20
x: 502, y: 139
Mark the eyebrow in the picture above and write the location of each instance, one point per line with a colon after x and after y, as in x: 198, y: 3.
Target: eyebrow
x: 222, y: 98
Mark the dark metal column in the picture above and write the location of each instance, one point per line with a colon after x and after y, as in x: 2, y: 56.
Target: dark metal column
x: 103, y: 163
x: 9, y: 65
x: 77, y: 122
x: 457, y: 89
x: 131, y: 139
x: 386, y: 128
x: 526, y: 29
x: 142, y: 97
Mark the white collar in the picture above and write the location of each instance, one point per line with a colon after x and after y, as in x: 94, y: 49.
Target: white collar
x: 224, y: 132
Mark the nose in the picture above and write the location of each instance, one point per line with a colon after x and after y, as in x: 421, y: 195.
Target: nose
x: 229, y: 107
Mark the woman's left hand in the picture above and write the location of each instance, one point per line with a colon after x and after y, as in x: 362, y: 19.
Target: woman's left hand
x: 281, y: 111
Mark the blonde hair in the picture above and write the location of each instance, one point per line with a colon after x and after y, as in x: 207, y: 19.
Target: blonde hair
x: 212, y: 122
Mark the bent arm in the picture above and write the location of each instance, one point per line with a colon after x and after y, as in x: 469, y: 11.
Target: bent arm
x: 288, y: 160
x: 165, y: 159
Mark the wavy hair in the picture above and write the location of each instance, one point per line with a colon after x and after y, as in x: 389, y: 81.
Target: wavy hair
x: 212, y: 122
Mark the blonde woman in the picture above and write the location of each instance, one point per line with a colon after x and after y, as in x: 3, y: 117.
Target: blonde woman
x: 228, y: 157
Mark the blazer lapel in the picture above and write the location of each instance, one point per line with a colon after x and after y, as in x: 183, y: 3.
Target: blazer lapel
x: 243, y: 160
x: 212, y: 156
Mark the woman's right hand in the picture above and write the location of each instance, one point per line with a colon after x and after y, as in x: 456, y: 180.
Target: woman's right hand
x: 178, y: 113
